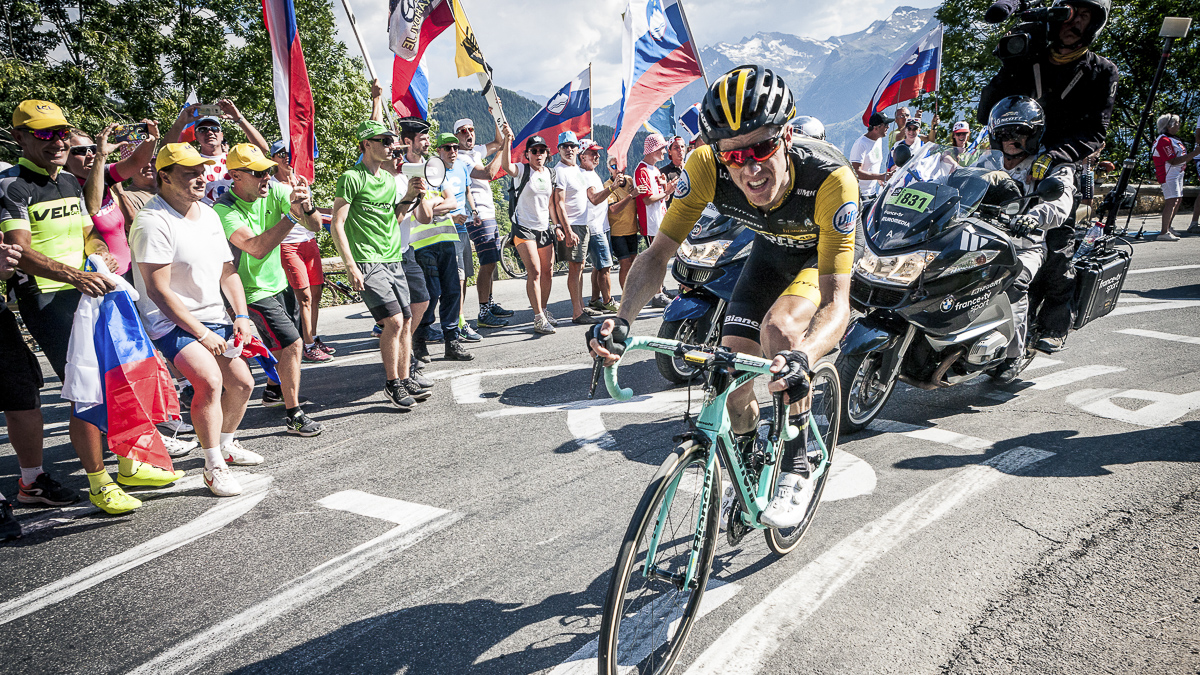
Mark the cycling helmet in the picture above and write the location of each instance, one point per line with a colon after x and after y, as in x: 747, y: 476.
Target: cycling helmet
x: 1017, y: 114
x: 1100, y: 11
x: 742, y: 100
x: 809, y: 126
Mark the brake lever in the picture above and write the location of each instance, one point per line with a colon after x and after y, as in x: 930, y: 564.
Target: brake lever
x: 778, y: 417
x: 597, y: 368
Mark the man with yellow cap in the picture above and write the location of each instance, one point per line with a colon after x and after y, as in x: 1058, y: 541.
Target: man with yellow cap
x: 257, y: 214
x: 42, y: 211
x: 184, y: 267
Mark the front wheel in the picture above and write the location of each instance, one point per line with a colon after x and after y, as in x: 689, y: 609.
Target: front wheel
x: 650, y: 609
x: 510, y: 260
x: 866, y: 389
x: 674, y: 368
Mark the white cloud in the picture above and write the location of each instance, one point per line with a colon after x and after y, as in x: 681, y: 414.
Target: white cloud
x: 539, y: 45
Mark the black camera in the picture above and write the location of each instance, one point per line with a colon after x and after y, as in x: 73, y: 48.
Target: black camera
x: 1028, y: 40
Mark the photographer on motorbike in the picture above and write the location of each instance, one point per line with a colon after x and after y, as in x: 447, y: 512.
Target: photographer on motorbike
x: 1017, y: 126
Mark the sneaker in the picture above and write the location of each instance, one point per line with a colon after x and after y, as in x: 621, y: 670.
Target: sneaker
x: 9, y: 527
x: 497, y: 310
x: 468, y: 334
x: 273, y: 399
x: 610, y: 307
x: 542, y: 326
x: 591, y: 312
x: 376, y: 330
x: 323, y: 347
x: 222, y: 483
x: 113, y: 500
x: 302, y: 425
x: 235, y: 454
x: 456, y: 352
x: 314, y: 355
x: 660, y: 301
x: 1050, y: 345
x: 434, y: 334
x: 416, y: 391
x: 134, y: 473
x: 175, y: 426
x: 1194, y: 228
x: 398, y: 397
x: 419, y: 379
x: 420, y: 351
x: 549, y: 317
x: 489, y: 320
x: 1167, y: 236
x: 585, y: 320
x: 45, y: 490
x: 177, y: 447
x: 793, y: 492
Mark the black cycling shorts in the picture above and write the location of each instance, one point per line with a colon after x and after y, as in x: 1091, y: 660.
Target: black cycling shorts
x: 771, y: 271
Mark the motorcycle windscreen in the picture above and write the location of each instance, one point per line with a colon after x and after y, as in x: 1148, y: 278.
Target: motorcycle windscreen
x: 914, y: 214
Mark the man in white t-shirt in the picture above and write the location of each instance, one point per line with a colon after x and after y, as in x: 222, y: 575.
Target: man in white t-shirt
x: 570, y: 179
x: 183, y: 268
x: 867, y: 159
x: 210, y: 139
x: 598, y: 251
x: 482, y: 227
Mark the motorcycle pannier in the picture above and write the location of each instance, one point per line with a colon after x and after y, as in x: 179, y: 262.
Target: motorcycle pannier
x: 1098, y: 282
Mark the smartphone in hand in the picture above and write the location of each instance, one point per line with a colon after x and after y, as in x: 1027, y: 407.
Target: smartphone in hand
x: 135, y: 133
x: 208, y: 110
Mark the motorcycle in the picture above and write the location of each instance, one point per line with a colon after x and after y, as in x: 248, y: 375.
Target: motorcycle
x: 707, y: 267
x: 934, y: 284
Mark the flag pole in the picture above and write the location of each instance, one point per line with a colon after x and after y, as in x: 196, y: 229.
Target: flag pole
x: 591, y: 108
x: 696, y: 51
x: 366, y: 56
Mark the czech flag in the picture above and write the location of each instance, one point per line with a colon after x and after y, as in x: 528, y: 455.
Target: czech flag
x: 409, y: 36
x: 659, y: 60
x: 293, y: 95
x: 415, y: 101
x: 914, y: 73
x: 568, y: 110
x: 114, y: 376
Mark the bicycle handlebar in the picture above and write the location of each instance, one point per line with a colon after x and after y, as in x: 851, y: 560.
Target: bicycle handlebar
x: 743, y: 362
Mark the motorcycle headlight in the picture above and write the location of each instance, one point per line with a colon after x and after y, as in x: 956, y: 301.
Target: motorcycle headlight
x: 969, y: 261
x: 897, y: 269
x: 702, y: 254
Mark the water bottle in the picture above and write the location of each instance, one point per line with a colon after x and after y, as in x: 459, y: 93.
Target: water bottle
x: 1089, y: 242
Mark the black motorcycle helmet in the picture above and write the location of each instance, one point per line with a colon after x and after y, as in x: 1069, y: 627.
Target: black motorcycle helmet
x: 742, y: 100
x: 1017, y: 115
x: 1100, y: 11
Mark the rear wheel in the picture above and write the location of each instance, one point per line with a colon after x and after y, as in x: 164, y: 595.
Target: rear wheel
x: 647, y: 617
x: 865, y: 391
x: 510, y: 260
x: 674, y: 368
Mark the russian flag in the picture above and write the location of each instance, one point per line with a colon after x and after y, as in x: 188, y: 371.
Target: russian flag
x: 188, y: 135
x: 568, y: 110
x: 114, y: 376
x: 415, y: 101
x: 659, y: 60
x: 435, y: 20
x: 293, y: 95
x: 914, y: 73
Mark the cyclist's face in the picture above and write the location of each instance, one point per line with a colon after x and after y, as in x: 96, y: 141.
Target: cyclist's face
x: 762, y: 183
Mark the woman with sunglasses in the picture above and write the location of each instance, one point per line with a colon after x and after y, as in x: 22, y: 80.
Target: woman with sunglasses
x: 793, y: 297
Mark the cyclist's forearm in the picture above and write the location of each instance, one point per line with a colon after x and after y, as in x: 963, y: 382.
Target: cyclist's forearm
x: 646, y: 277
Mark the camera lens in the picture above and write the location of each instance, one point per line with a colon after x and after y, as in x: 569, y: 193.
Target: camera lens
x: 1016, y: 44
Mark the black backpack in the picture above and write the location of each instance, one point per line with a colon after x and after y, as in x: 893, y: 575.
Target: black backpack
x: 514, y: 193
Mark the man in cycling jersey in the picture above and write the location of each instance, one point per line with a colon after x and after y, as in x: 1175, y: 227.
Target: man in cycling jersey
x: 793, y: 297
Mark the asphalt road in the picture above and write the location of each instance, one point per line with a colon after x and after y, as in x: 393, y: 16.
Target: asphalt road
x: 1045, y: 526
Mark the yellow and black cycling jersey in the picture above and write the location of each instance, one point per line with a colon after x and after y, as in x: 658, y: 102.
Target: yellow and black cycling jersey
x: 820, y: 210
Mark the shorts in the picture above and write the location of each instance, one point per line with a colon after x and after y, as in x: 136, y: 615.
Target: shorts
x: 302, y: 264
x: 624, y: 246
x: 1173, y: 187
x: 172, y: 343
x: 772, y: 271
x: 49, y: 316
x: 385, y: 289
x: 578, y: 252
x: 417, y: 290
x: 598, y: 253
x: 540, y: 238
x: 277, y: 319
x: 21, y: 376
x: 486, y: 239
x: 466, y: 262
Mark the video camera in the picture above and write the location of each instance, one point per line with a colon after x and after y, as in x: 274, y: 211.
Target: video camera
x: 1029, y: 39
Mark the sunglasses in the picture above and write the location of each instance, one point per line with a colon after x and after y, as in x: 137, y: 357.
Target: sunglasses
x: 961, y: 133
x: 541, y: 149
x: 385, y: 141
x: 83, y: 150
x: 759, y: 152
x: 1010, y: 135
x: 208, y: 128
x: 452, y: 148
x: 259, y: 174
x: 51, y: 134
x: 569, y: 146
x: 465, y: 130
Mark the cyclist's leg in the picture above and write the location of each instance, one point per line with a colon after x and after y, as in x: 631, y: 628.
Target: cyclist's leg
x: 783, y: 330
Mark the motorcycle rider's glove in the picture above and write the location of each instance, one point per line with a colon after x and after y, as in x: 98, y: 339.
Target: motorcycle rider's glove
x: 614, y: 342
x: 795, y: 374
x: 1023, y: 225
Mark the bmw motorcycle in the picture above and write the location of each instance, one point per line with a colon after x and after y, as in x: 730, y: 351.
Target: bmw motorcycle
x: 707, y: 267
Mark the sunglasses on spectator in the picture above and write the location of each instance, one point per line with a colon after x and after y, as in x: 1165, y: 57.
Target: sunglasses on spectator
x: 259, y: 174
x: 461, y: 130
x: 759, y: 152
x: 208, y: 128
x: 385, y: 141
x: 569, y: 146
x: 83, y: 150
x: 50, y: 134
x: 539, y: 150
x: 452, y: 148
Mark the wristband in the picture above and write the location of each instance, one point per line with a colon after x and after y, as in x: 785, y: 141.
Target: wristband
x: 240, y: 316
x: 311, y: 211
x: 292, y: 218
x: 200, y: 337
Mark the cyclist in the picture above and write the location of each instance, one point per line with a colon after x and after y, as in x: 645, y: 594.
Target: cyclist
x: 793, y: 297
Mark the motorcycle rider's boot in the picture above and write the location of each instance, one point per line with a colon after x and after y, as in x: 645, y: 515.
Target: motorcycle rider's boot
x: 1049, y: 345
x: 1009, y: 370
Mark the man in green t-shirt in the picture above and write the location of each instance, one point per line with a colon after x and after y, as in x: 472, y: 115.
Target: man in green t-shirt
x: 257, y: 214
x: 367, y: 209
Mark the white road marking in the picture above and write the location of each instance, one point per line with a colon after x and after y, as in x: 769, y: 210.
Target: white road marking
x: 468, y: 387
x: 934, y: 434
x: 748, y: 644
x: 188, y: 655
x: 53, y: 517
x: 1186, y: 339
x: 1164, y: 269
x: 849, y: 477
x: 1041, y: 362
x: 1071, y: 375
x: 584, y: 661
x: 447, y: 374
x: 225, y: 512
x: 1164, y: 408
x: 383, y: 508
x: 1142, y: 305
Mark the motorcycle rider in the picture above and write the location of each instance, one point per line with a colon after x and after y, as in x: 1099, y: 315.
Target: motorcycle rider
x: 1017, y: 125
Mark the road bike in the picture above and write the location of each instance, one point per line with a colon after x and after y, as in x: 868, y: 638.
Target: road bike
x: 663, y: 565
x: 510, y: 260
x: 337, y: 288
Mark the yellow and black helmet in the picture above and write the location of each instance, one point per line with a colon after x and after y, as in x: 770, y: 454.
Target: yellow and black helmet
x: 743, y: 100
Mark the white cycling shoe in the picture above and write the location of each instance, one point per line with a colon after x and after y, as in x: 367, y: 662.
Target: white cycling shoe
x: 793, y: 492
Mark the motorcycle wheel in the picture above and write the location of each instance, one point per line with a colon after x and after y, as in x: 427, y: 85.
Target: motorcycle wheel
x: 863, y: 395
x: 675, y: 369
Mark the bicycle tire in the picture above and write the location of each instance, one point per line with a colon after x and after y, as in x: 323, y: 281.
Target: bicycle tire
x: 510, y: 260
x: 826, y: 409
x: 639, y: 621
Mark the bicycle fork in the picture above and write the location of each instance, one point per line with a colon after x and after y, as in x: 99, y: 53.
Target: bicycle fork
x: 687, y: 580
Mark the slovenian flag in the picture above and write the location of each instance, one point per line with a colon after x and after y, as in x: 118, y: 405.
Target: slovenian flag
x: 293, y: 95
x: 408, y: 38
x: 659, y: 60
x: 568, y: 110
x: 914, y: 73
x: 415, y: 101
x: 690, y: 120
x: 114, y: 375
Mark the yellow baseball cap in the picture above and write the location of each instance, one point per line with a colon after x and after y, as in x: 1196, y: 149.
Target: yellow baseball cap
x: 39, y: 115
x: 179, y: 153
x: 247, y: 156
